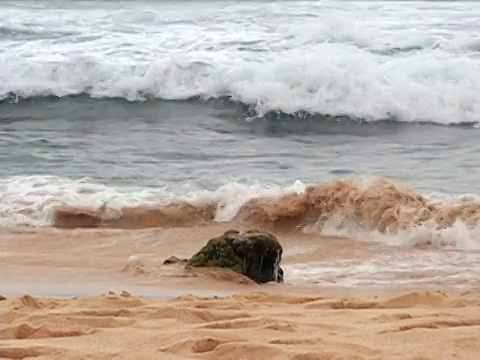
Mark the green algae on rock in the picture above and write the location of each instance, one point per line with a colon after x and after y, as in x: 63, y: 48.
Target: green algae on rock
x: 255, y: 254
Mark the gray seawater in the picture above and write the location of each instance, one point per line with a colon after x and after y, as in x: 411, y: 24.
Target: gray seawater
x: 142, y: 101
x: 158, y: 143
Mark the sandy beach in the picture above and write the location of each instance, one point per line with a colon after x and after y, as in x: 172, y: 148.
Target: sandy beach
x: 255, y: 325
x: 105, y: 294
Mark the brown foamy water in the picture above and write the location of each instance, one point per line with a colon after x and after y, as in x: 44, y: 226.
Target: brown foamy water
x: 373, y: 209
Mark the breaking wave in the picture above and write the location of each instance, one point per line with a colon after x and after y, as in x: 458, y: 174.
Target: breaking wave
x: 375, y: 210
x: 329, y: 80
x: 347, y: 59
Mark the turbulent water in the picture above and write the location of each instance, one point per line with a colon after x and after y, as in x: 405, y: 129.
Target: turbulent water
x: 120, y: 106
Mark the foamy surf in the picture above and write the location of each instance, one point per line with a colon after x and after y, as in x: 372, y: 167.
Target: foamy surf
x: 323, y: 58
x: 375, y: 209
x: 404, y: 269
x: 438, y: 88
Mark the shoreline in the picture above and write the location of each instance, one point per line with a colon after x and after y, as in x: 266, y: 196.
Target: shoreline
x: 100, y: 258
x: 105, y: 294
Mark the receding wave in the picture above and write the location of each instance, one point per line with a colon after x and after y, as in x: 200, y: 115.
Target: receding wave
x: 375, y: 210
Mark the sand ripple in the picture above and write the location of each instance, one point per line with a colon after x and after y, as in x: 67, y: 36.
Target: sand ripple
x: 255, y: 325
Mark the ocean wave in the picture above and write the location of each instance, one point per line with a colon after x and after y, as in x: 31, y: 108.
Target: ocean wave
x: 375, y: 210
x: 273, y: 122
x: 330, y: 80
x: 19, y: 32
x: 350, y: 60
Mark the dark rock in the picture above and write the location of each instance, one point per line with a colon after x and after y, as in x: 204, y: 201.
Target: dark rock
x: 255, y: 254
x: 2, y: 298
x: 174, y: 260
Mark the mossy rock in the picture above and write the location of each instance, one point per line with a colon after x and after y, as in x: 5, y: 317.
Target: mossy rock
x: 255, y: 254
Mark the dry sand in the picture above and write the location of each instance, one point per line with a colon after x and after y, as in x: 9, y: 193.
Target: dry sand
x: 66, y: 317
x: 257, y: 325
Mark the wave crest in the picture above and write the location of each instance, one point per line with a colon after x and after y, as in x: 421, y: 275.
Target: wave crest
x: 372, y: 209
x: 180, y: 214
x: 331, y: 79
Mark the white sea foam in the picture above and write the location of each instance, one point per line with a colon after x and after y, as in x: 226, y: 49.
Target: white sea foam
x: 424, y: 268
x: 365, y: 60
x: 457, y: 236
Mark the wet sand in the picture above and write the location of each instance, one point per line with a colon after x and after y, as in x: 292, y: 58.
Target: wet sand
x: 136, y: 256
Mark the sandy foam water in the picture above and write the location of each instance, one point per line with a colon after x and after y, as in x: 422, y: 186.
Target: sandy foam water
x: 425, y: 267
x: 374, y: 209
x: 458, y: 235
x: 32, y: 200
